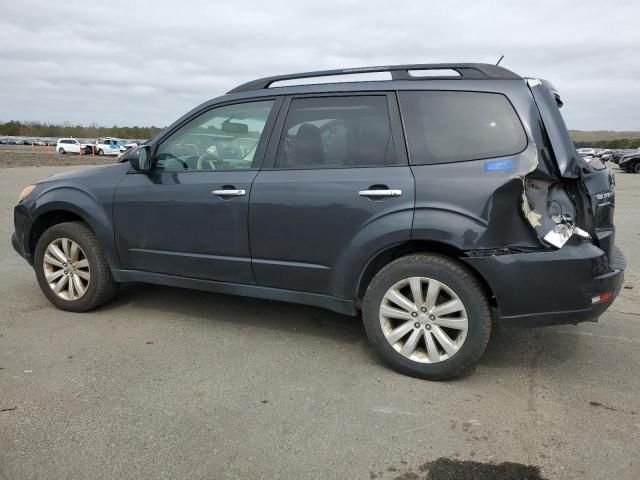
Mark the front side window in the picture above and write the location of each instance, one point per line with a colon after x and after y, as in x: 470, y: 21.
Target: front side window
x: 444, y: 127
x: 223, y: 138
x: 331, y: 132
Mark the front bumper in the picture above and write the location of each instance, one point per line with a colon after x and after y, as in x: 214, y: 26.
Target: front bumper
x: 16, y: 244
x: 552, y: 287
x: 20, y: 237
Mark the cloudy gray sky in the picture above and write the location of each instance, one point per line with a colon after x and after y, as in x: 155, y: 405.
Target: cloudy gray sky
x: 147, y: 62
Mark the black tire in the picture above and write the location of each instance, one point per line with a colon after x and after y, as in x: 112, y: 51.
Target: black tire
x: 61, y: 151
x: 462, y: 282
x: 101, y: 288
x: 100, y: 152
x: 636, y: 168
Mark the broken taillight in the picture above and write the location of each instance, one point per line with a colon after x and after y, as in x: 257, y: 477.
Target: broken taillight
x: 603, y: 297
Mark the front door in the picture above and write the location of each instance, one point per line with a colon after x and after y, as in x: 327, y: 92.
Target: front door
x: 335, y: 189
x: 189, y: 215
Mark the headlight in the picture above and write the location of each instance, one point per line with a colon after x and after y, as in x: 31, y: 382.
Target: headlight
x: 26, y: 191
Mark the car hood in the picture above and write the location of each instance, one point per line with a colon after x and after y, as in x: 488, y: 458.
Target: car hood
x: 80, y: 174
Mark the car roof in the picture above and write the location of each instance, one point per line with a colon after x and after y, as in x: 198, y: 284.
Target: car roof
x: 480, y: 77
x: 457, y: 71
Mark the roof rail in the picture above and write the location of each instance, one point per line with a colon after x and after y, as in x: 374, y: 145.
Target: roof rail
x: 398, y: 72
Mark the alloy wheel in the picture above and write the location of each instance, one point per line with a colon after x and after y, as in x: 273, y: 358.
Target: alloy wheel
x: 66, y: 269
x: 423, y: 319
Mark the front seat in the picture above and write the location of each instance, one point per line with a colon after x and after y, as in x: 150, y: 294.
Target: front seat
x: 308, y: 147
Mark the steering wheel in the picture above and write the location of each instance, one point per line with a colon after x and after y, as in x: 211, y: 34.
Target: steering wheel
x: 210, y: 158
x: 164, y: 158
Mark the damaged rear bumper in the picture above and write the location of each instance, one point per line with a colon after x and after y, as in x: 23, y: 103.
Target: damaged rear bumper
x: 574, y: 284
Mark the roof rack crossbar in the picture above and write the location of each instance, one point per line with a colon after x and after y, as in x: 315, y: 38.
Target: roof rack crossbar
x: 398, y: 72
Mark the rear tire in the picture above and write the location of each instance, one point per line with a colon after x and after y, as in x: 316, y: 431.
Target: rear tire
x: 100, y: 152
x: 636, y: 168
x: 94, y: 285
x: 433, y: 356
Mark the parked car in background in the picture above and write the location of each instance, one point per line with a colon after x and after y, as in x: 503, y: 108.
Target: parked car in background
x: 68, y: 145
x: 124, y: 146
x: 108, y: 146
x: 631, y: 163
x: 586, y: 152
x: 605, y: 155
x: 72, y: 145
x: 617, y: 155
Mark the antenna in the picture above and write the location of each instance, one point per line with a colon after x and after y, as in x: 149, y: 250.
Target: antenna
x: 498, y: 62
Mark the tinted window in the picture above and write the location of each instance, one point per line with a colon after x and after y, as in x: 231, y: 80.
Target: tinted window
x: 455, y: 126
x: 224, y: 138
x: 336, y: 132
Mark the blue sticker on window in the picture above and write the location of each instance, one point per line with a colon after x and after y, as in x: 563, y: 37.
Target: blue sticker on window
x: 498, y: 165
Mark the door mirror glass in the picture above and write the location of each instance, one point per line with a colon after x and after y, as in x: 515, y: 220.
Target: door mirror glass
x: 140, y: 158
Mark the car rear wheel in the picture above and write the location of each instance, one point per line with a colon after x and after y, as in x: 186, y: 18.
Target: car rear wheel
x: 100, y: 152
x: 427, y: 316
x: 71, y: 268
x: 636, y: 168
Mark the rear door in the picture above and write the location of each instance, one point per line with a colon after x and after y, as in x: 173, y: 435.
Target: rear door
x: 335, y: 187
x: 189, y: 215
x: 74, y: 146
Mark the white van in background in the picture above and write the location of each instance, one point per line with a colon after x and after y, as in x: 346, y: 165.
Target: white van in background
x: 68, y: 145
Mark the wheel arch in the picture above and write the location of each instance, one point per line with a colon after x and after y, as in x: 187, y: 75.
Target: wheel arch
x: 384, y: 257
x: 78, y: 207
x: 47, y: 220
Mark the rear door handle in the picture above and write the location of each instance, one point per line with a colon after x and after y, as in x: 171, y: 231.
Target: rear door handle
x: 380, y: 193
x: 229, y: 192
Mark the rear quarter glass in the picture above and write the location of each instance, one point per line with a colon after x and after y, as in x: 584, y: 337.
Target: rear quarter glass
x: 446, y: 126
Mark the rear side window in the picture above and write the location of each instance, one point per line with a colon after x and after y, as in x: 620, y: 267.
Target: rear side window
x: 444, y: 127
x: 333, y: 132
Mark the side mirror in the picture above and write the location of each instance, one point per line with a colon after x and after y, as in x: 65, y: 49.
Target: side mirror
x: 140, y: 159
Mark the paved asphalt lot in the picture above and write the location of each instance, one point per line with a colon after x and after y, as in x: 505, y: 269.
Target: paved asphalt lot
x: 169, y: 383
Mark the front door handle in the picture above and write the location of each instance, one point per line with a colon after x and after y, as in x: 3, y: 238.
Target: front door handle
x: 229, y: 192
x: 380, y: 193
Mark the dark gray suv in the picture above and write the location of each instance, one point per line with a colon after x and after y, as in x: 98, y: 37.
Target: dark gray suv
x: 440, y: 203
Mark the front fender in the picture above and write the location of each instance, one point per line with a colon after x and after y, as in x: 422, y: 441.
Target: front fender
x: 94, y: 211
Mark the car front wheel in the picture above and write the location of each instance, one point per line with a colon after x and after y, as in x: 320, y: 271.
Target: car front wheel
x: 427, y: 316
x: 71, y: 268
x: 61, y: 151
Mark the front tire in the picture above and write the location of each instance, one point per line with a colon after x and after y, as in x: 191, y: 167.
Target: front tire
x: 427, y: 316
x: 61, y: 151
x: 71, y: 268
x: 100, y: 152
x: 636, y: 168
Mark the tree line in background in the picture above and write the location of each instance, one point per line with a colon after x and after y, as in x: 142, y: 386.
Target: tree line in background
x: 613, y: 144
x: 37, y: 129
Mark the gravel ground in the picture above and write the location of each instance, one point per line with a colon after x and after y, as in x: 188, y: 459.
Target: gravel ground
x: 28, y: 156
x: 169, y: 383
